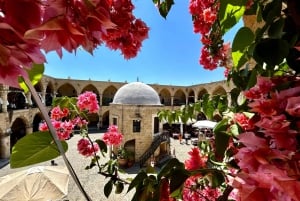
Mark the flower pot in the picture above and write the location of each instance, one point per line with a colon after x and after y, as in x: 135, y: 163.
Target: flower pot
x: 122, y: 161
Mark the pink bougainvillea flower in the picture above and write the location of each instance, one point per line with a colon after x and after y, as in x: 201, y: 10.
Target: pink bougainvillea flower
x: 43, y: 126
x: 56, y: 113
x: 112, y: 136
x: 243, y: 121
x: 85, y: 147
x: 192, y: 190
x: 196, y: 160
x: 88, y: 101
x: 293, y: 106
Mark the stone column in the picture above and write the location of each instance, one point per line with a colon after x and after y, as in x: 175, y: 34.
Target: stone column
x: 29, y: 100
x: 29, y: 129
x: 4, y: 93
x: 5, y: 144
x: 100, y: 99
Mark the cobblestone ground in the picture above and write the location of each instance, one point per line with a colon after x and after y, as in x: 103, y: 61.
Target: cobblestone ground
x: 92, y: 182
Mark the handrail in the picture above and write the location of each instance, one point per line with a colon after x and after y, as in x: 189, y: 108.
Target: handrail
x: 164, y: 136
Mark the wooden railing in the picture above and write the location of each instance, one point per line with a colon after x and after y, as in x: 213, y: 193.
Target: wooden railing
x: 157, y: 140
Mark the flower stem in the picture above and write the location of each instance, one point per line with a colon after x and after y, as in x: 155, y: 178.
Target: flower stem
x: 44, y: 112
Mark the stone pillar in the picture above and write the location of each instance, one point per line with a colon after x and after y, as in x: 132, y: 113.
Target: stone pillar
x: 29, y: 100
x: 4, y: 100
x: 29, y: 129
x: 100, y: 99
x: 172, y: 100
x: 5, y: 144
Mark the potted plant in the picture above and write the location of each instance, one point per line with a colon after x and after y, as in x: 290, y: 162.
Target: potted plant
x: 131, y: 158
x: 122, y: 156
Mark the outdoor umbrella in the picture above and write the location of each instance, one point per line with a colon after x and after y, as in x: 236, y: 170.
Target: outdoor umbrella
x: 204, y: 124
x: 35, y: 184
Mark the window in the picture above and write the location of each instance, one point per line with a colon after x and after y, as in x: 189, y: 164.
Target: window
x: 156, y: 125
x: 115, y: 122
x: 136, y: 126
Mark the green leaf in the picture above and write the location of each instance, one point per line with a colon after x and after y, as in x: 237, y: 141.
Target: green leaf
x: 34, y: 148
x: 235, y: 130
x: 137, y: 180
x: 252, y: 80
x: 276, y: 28
x: 174, y: 162
x: 35, y: 75
x: 230, y: 13
x: 241, y: 42
x: 222, y: 141
x: 108, y: 188
x: 164, y: 7
x: 119, y: 188
x: 177, y: 179
x: 102, y: 145
x: 272, y: 10
x: 271, y: 51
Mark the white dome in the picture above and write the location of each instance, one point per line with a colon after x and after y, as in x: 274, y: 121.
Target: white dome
x: 136, y: 93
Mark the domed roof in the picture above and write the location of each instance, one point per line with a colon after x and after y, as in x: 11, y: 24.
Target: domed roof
x: 136, y: 93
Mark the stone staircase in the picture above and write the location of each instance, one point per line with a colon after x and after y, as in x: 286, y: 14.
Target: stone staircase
x: 162, y: 137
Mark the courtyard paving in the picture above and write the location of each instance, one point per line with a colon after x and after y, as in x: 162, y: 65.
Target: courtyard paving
x: 92, y: 182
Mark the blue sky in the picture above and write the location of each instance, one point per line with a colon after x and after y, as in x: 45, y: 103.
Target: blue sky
x: 170, y: 56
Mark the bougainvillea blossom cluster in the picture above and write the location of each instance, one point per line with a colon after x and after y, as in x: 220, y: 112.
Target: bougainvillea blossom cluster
x: 213, y: 53
x: 87, y: 148
x: 196, y: 186
x: 87, y: 101
x: 112, y: 136
x: 36, y: 25
x: 62, y: 120
x: 269, y: 158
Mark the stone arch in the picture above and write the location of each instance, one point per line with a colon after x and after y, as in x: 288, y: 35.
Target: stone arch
x: 219, y: 90
x: 201, y: 93
x: 165, y: 97
x: 130, y: 146
x: 66, y: 90
x: 105, y: 119
x: 37, y: 119
x: 191, y: 96
x: 108, y: 95
x: 16, y: 99
x: 39, y: 89
x: 217, y: 117
x: 49, y: 94
x: 201, y: 116
x: 90, y: 87
x: 179, y: 98
x: 18, y: 130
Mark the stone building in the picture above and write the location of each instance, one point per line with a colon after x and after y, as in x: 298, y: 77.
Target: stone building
x: 134, y: 110
x: 20, y: 116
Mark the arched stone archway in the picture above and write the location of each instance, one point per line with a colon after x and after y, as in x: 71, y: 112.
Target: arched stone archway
x: 108, y: 95
x: 201, y: 93
x: 191, y: 97
x: 219, y: 90
x: 49, y: 94
x: 105, y: 119
x: 16, y: 99
x: 179, y: 98
x: 36, y: 122
x: 66, y: 90
x: 165, y: 97
x: 18, y: 130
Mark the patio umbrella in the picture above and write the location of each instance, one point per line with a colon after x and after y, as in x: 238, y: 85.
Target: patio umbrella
x: 204, y: 124
x: 35, y: 184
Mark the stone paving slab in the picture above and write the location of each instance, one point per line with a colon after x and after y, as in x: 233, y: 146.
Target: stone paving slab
x: 92, y: 182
